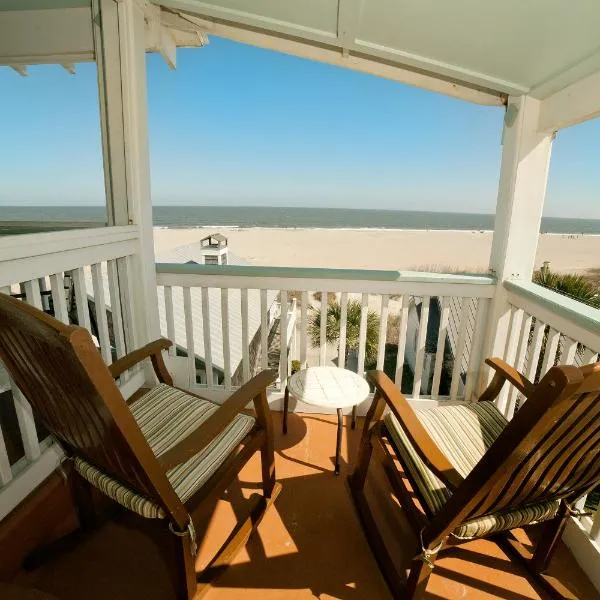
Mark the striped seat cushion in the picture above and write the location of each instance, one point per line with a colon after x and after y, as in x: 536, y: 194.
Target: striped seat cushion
x: 463, y: 433
x: 166, y: 416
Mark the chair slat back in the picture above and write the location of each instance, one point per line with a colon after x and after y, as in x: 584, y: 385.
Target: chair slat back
x: 62, y: 375
x: 549, y: 451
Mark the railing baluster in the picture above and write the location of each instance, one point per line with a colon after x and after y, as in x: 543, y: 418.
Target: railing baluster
x: 169, y: 317
x: 303, y: 329
x: 264, y: 330
x: 383, y: 320
x: 115, y: 307
x: 100, y: 309
x: 283, y: 342
x: 589, y: 356
x: 401, y: 340
x: 535, y: 349
x: 5, y: 470
x: 245, y: 337
x: 343, y: 327
x: 362, y: 334
x: 32, y: 293
x: 57, y: 285
x: 569, y: 351
x: 460, y: 349
x: 519, y: 361
x: 128, y: 291
x: 81, y: 298
x: 550, y: 351
x: 420, y: 349
x: 475, y: 371
x: 225, y: 333
x: 510, y: 353
x: 323, y: 330
x: 207, y: 337
x: 189, y: 334
x: 441, y: 345
x: 595, y: 530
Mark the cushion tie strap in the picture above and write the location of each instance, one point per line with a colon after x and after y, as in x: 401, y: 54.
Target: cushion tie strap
x: 426, y: 553
x: 189, y: 530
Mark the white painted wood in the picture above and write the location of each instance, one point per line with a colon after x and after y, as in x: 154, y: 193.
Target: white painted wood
x: 303, y: 329
x: 519, y: 361
x: 595, y: 529
x: 573, y: 104
x: 81, y: 298
x: 535, y: 349
x: 589, y: 356
x: 550, y: 351
x: 29, y: 475
x: 264, y: 330
x: 343, y: 330
x: 5, y: 470
x: 169, y: 317
x: 420, y: 349
x: 32, y: 293
x: 115, y: 305
x: 323, y: 330
x: 44, y: 284
x: 245, y: 336
x: 189, y: 334
x: 401, y: 340
x: 441, y: 345
x: 100, y: 310
x: 57, y: 285
x: 207, y: 338
x: 569, y: 351
x: 225, y: 334
x: 521, y: 193
x: 127, y: 283
x: 26, y: 422
x: 510, y: 353
x: 283, y: 340
x: 383, y: 320
x: 316, y: 46
x: 460, y: 349
x: 362, y: 333
x: 476, y: 359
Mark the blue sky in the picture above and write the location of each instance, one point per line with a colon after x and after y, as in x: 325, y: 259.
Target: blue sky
x: 236, y: 125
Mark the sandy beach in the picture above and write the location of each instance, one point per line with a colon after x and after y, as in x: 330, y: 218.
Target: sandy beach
x: 384, y: 249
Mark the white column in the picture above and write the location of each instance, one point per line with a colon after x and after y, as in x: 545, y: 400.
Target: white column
x: 521, y: 193
x: 119, y: 32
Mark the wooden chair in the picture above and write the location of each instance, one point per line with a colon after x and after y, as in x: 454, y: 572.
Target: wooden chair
x: 472, y: 474
x: 163, y: 457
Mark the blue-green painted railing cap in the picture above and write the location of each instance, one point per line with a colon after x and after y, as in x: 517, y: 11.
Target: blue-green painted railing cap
x: 318, y: 273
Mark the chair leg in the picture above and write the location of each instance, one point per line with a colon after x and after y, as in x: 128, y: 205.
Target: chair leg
x: 267, y: 460
x: 183, y: 569
x: 359, y: 475
x: 418, y: 577
x: 547, y: 543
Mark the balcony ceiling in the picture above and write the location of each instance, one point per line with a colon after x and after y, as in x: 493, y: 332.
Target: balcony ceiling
x: 510, y: 47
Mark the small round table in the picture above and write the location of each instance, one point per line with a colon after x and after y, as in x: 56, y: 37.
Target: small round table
x: 327, y: 387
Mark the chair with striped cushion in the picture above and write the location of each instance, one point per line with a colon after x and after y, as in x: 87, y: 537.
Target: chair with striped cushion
x: 165, y: 456
x: 463, y: 471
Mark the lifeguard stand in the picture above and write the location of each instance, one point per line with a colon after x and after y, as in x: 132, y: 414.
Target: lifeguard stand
x: 214, y: 249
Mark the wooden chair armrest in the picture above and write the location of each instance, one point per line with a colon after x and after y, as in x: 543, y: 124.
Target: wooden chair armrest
x: 216, y: 423
x: 427, y: 449
x: 152, y: 350
x: 504, y: 372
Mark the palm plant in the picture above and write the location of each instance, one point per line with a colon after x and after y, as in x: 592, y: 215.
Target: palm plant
x: 332, y: 331
x: 572, y: 285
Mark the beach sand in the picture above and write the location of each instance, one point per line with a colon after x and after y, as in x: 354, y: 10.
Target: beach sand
x: 384, y: 249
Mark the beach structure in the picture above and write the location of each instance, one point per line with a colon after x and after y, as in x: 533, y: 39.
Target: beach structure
x: 539, y: 65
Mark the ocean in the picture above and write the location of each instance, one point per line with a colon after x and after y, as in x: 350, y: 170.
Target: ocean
x: 261, y: 216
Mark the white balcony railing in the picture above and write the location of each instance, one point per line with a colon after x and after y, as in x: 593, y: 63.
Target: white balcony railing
x: 216, y: 313
x: 74, y: 276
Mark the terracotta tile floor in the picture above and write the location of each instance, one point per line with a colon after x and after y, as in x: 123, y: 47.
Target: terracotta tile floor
x: 310, y: 546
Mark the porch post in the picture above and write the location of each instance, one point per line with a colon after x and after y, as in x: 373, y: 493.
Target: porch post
x: 120, y: 46
x: 521, y: 192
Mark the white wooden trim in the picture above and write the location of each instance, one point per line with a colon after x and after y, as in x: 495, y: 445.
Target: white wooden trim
x: 189, y: 335
x: 514, y: 332
x: 420, y: 350
x: 81, y: 298
x: 362, y: 333
x: 100, y: 310
x: 585, y: 550
x: 283, y: 340
x: 535, y: 348
x: 225, y: 334
x: 460, y: 349
x: 57, y: 285
x: 323, y: 330
x: 207, y: 339
x: 264, y: 330
x: 441, y: 344
x: 303, y: 329
x: 403, y: 324
x: 475, y: 369
x: 569, y: 351
x: 27, y: 427
x: 343, y: 329
x: 383, y: 320
x: 169, y: 317
x: 245, y: 336
x: 550, y: 351
x: 519, y: 362
x: 115, y: 307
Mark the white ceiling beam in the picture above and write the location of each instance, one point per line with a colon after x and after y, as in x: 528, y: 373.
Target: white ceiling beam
x: 332, y: 55
x: 349, y: 12
x: 20, y: 69
x: 574, y: 104
x: 69, y: 68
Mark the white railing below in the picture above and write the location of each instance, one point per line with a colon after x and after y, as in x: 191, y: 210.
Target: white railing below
x: 431, y: 322
x: 74, y: 275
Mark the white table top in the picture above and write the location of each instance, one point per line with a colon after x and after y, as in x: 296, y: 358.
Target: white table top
x: 328, y: 387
